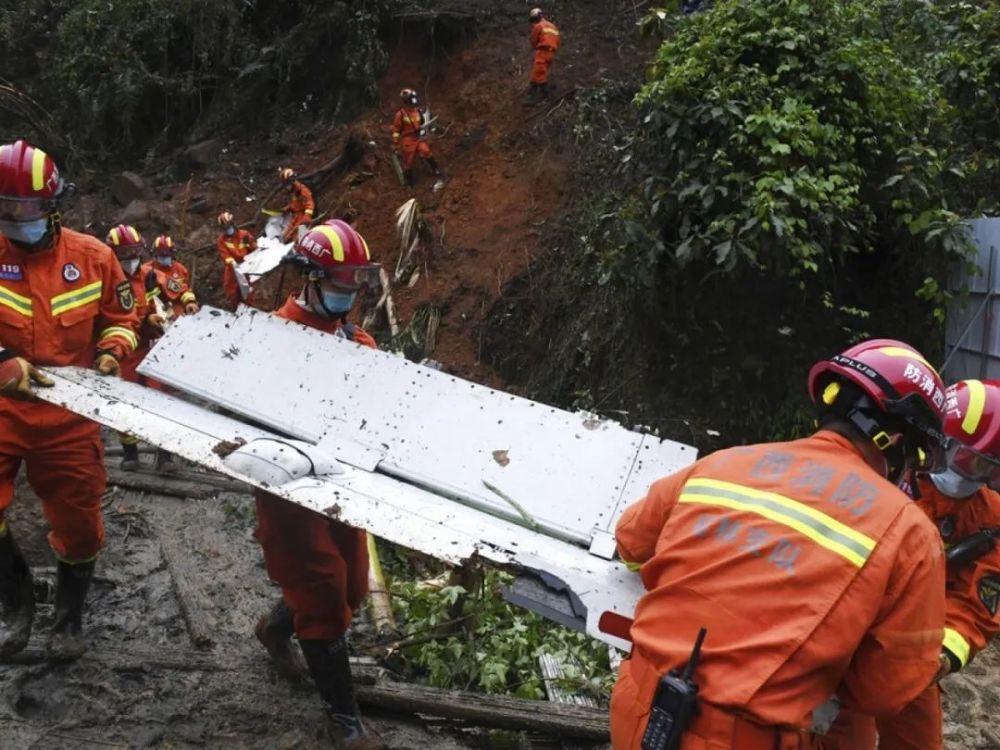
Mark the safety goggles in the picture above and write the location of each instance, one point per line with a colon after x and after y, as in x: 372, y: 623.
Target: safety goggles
x: 24, y: 209
x: 974, y: 466
x: 353, y: 278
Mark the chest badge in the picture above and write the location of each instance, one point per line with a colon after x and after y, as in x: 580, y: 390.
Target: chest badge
x: 175, y: 284
x: 70, y: 272
x: 947, y: 526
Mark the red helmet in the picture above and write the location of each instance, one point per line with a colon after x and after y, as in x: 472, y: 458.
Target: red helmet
x: 535, y: 15
x: 126, y: 241
x: 972, y: 420
x: 897, y: 380
x: 286, y: 174
x: 225, y: 218
x: 163, y: 245
x: 409, y: 96
x: 334, y: 250
x: 30, y: 185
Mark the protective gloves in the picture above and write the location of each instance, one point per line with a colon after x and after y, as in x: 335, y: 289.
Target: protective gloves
x: 107, y: 364
x: 17, y: 375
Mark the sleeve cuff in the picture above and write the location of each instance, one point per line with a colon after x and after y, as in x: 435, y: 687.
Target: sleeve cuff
x: 956, y: 648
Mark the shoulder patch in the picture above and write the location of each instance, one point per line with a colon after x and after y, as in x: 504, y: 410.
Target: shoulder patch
x: 11, y: 272
x: 989, y: 592
x: 125, y: 296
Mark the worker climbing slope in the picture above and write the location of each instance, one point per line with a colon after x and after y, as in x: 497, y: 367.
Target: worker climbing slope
x: 320, y: 564
x: 963, y: 503
x: 409, y: 132
x: 545, y: 41
x: 811, y: 571
x: 300, y: 207
x: 234, y: 245
x: 63, y: 301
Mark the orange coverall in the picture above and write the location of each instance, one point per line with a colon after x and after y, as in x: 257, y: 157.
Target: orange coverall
x: 59, y: 306
x: 174, y: 284
x: 545, y: 42
x: 233, y: 250
x: 812, y: 575
x: 320, y: 564
x: 406, y: 134
x: 972, y: 596
x: 144, y: 288
x: 301, y: 207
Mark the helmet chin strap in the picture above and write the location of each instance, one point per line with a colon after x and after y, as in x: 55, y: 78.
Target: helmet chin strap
x: 890, y: 448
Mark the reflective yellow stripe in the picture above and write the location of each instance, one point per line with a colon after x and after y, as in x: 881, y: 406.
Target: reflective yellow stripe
x: 67, y: 301
x: 633, y: 566
x: 15, y: 302
x: 954, y: 642
x: 231, y: 261
x: 38, y: 169
x: 188, y: 297
x: 335, y: 244
x: 974, y: 412
x: 126, y: 333
x: 309, y: 212
x: 152, y: 293
x: 898, y: 351
x: 3, y: 524
x: 826, y: 531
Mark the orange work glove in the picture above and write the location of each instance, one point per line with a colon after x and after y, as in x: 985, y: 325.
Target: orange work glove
x: 107, y: 364
x: 17, y: 376
x: 191, y: 308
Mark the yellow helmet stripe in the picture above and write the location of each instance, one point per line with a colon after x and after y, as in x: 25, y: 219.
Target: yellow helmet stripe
x: 336, y: 246
x: 115, y: 239
x: 38, y: 169
x: 898, y: 351
x: 974, y: 412
x: 368, y: 255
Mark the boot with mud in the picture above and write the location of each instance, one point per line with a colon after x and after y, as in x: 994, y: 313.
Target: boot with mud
x: 165, y: 463
x: 66, y: 641
x: 534, y: 92
x: 274, y: 631
x: 130, y: 457
x: 17, y: 597
x: 408, y: 177
x: 331, y: 670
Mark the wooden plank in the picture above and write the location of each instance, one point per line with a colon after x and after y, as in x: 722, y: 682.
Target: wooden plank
x: 552, y: 674
x: 489, y: 710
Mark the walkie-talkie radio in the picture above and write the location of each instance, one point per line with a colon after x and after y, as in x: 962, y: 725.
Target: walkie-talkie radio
x: 674, y: 705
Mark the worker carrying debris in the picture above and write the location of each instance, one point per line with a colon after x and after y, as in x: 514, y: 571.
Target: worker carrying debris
x: 544, y: 41
x: 811, y: 573
x: 173, y: 280
x: 129, y: 246
x: 63, y: 301
x: 234, y: 245
x: 300, y: 206
x: 320, y: 563
x: 963, y: 503
x: 409, y: 131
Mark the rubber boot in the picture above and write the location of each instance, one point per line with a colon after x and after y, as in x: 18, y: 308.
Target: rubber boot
x: 274, y: 631
x: 534, y: 92
x: 165, y: 463
x: 543, y: 91
x: 331, y: 670
x: 408, y: 177
x: 17, y: 598
x: 130, y: 457
x: 66, y: 641
x: 432, y: 163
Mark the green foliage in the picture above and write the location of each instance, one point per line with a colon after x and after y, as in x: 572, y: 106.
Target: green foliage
x: 119, y: 77
x: 496, y: 648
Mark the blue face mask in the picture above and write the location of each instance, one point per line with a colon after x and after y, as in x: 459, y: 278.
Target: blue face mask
x: 130, y: 266
x: 165, y: 260
x: 338, y: 302
x: 25, y: 232
x: 952, y: 484
x: 230, y: 231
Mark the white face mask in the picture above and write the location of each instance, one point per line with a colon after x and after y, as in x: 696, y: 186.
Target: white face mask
x: 952, y: 484
x: 130, y: 266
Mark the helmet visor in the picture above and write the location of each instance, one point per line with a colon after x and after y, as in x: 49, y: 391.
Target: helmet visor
x: 24, y: 209
x: 354, y: 278
x: 975, y: 466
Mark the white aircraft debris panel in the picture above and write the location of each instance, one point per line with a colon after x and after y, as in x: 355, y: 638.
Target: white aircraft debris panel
x: 566, y: 475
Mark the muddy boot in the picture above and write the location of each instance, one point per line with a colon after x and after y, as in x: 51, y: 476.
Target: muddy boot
x: 66, y: 641
x: 165, y: 463
x: 432, y: 163
x: 534, y: 92
x: 408, y: 177
x: 274, y: 631
x: 543, y: 91
x: 17, y: 598
x: 331, y: 670
x: 130, y: 457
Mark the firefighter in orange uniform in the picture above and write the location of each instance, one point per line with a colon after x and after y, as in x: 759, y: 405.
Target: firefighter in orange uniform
x: 320, y: 564
x: 811, y: 572
x: 544, y: 41
x: 300, y: 204
x: 234, y: 245
x: 408, y: 131
x: 129, y: 246
x: 173, y: 280
x: 963, y: 503
x: 63, y: 301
